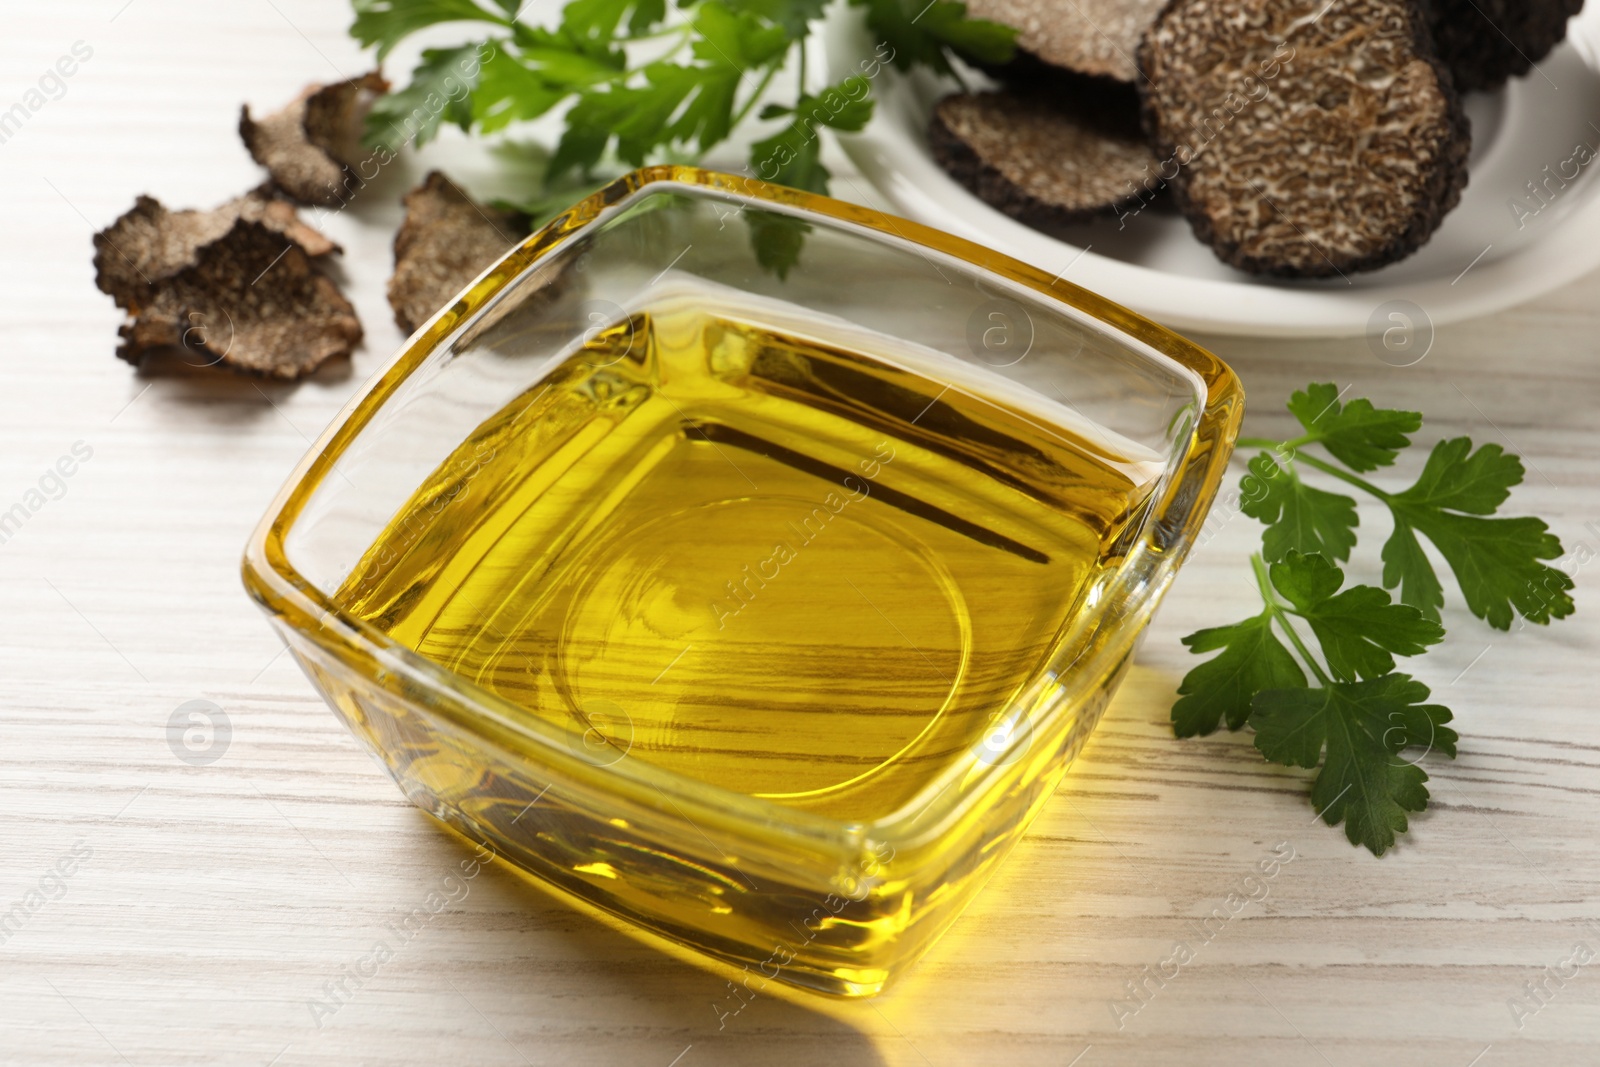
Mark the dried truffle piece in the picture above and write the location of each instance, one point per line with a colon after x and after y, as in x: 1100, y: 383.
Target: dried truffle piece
x: 311, y: 145
x: 149, y: 244
x: 1311, y: 139
x: 251, y: 301
x: 1099, y: 38
x: 446, y: 241
x: 1044, y: 162
x: 1484, y: 42
x: 234, y: 285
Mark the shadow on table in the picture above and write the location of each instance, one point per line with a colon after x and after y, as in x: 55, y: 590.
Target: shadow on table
x: 578, y: 979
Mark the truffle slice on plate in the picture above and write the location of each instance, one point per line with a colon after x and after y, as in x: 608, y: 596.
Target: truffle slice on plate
x: 1039, y: 161
x: 1484, y: 42
x: 1312, y: 138
x: 1099, y: 38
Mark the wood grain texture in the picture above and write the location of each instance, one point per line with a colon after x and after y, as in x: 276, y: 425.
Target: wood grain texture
x: 217, y: 901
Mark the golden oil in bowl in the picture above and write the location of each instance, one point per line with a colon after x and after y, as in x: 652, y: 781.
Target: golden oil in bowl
x: 764, y: 609
x: 799, y: 563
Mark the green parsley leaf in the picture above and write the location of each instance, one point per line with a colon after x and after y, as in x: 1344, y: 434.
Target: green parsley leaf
x: 570, y: 62
x: 730, y: 44
x: 1407, y: 567
x: 440, y: 91
x: 979, y: 39
x: 1359, y: 630
x: 643, y: 124
x: 674, y: 104
x: 793, y: 155
x: 1221, y: 688
x: 660, y: 107
x: 834, y: 107
x: 733, y: 42
x: 1496, y: 561
x: 1359, y: 435
x: 776, y: 240
x: 385, y: 22
x: 636, y: 116
x: 1457, y: 478
x: 1299, y: 517
x: 920, y: 34
x: 1359, y: 716
x: 1357, y: 730
x: 582, y: 143
x: 597, y: 20
x: 510, y: 91
x: 794, y: 16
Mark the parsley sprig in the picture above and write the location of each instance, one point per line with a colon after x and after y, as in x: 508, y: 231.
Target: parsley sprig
x: 641, y: 83
x: 1496, y: 561
x: 1336, y: 700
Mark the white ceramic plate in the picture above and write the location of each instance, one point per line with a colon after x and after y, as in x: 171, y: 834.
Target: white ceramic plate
x: 1482, y: 259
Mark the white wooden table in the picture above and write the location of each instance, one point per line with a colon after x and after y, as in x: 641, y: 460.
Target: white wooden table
x: 209, y: 906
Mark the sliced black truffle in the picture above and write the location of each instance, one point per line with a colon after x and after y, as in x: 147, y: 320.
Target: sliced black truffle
x: 1099, y: 38
x: 1310, y: 138
x: 1042, y: 161
x: 1484, y: 42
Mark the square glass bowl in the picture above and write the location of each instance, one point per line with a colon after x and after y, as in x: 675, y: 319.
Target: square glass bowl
x: 747, y: 564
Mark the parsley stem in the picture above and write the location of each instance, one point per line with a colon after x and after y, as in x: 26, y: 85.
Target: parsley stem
x: 1344, y: 476
x: 1275, y: 609
x: 1312, y: 461
x: 678, y: 30
x: 801, y: 75
x: 755, y: 97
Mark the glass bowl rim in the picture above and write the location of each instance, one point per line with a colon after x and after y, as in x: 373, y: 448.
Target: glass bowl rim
x: 283, y: 592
